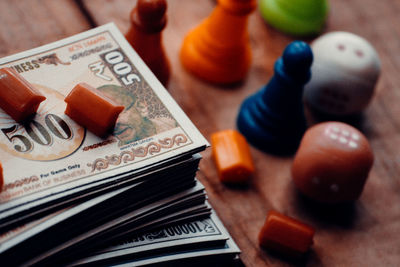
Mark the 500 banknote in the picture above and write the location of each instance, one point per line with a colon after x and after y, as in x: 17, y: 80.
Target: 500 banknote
x: 52, y: 154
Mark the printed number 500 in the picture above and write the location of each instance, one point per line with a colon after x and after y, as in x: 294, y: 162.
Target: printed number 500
x: 38, y: 133
x: 121, y: 68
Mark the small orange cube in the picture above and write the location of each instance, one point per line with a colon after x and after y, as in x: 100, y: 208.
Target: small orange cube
x: 91, y: 109
x: 232, y: 156
x: 285, y: 235
x: 18, y: 98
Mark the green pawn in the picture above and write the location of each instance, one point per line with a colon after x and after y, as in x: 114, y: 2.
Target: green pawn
x: 296, y: 17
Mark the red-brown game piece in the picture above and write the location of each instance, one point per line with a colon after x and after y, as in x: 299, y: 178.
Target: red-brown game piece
x: 285, y: 235
x: 148, y: 19
x: 218, y: 50
x: 332, y: 163
x: 18, y: 98
x: 91, y: 109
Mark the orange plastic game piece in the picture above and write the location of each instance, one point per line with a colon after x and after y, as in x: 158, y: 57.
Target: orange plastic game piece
x: 218, y: 50
x: 148, y: 19
x: 18, y: 98
x: 232, y: 156
x: 89, y: 108
x: 332, y: 163
x: 285, y: 235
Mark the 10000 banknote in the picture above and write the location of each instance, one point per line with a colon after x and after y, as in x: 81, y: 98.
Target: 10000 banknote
x: 170, y: 239
x: 52, y: 149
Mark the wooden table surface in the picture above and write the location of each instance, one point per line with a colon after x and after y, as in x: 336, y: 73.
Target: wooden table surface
x: 366, y: 233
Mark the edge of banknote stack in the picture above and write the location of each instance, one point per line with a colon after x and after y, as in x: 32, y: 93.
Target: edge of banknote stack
x: 130, y: 199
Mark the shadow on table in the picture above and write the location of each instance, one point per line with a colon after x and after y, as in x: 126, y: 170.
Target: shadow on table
x: 342, y: 215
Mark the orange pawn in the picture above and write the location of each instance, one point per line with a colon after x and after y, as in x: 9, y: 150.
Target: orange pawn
x: 148, y: 19
x: 218, y: 50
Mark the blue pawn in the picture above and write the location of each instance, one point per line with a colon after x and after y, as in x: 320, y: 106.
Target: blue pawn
x: 273, y: 118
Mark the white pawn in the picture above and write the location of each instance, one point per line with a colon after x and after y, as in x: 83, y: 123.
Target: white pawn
x: 344, y: 74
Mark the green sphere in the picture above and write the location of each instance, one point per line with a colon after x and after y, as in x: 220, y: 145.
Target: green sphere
x: 295, y: 17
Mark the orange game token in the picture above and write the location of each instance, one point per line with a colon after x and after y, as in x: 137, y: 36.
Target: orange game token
x: 232, y: 156
x: 285, y: 235
x: 91, y: 109
x: 18, y: 98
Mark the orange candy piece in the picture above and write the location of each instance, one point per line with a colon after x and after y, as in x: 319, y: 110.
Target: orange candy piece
x: 18, y: 98
x: 285, y: 235
x: 91, y: 109
x: 218, y: 50
x: 232, y: 156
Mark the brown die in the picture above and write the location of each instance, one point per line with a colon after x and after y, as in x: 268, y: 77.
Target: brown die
x: 332, y: 163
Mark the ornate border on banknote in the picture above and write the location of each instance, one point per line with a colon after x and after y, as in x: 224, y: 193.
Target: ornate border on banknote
x: 142, y: 151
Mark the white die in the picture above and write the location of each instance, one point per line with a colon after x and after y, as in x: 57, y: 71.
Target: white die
x: 344, y: 73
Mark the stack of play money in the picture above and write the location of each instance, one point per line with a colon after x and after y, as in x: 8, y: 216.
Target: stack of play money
x: 71, y: 197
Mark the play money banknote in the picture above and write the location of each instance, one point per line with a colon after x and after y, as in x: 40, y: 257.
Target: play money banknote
x: 52, y: 153
x: 183, y: 235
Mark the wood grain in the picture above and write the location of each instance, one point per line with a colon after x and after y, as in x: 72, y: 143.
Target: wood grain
x: 363, y: 234
x: 27, y: 24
